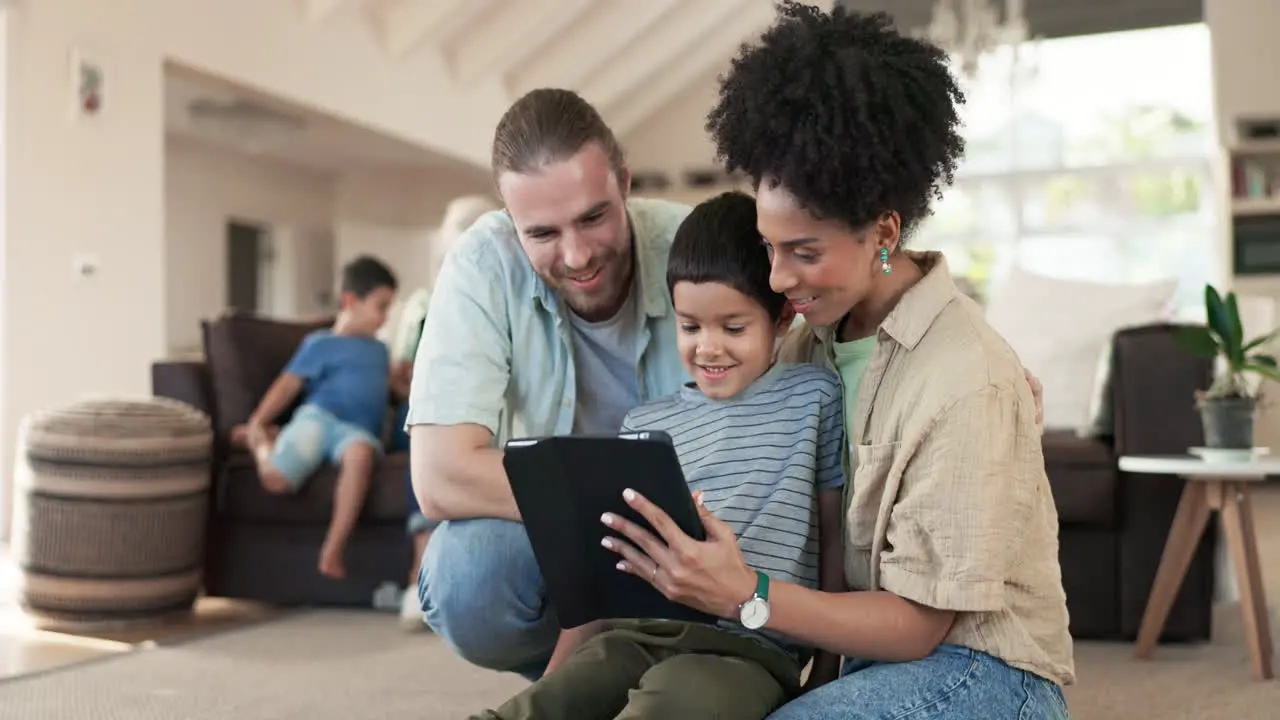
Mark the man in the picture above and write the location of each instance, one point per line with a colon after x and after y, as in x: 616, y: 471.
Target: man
x: 549, y: 318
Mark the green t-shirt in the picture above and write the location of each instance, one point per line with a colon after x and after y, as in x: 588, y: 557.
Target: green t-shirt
x: 851, y: 362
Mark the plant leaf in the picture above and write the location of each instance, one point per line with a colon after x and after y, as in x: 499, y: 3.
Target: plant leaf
x: 1263, y: 359
x: 1235, y: 326
x: 1197, y: 340
x: 1221, y: 324
x: 1261, y: 340
x: 1270, y: 372
x: 1216, y: 311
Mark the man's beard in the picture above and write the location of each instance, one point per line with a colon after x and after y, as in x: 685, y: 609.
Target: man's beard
x: 602, y: 301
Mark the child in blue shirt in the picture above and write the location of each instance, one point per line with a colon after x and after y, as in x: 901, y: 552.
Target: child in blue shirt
x: 343, y: 376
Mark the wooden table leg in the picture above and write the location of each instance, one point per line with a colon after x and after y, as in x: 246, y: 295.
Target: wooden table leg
x: 1237, y: 520
x: 1184, y: 535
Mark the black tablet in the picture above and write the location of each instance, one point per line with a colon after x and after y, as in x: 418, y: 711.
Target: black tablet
x: 563, y: 484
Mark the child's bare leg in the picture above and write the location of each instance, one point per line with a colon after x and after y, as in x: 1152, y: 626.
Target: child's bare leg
x: 243, y: 438
x: 354, y: 478
x: 262, y: 445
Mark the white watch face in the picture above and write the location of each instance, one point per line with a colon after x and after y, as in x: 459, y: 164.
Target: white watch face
x: 754, y: 613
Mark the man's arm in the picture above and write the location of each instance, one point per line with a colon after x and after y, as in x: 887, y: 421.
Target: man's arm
x: 1037, y: 393
x: 457, y: 474
x: 460, y: 378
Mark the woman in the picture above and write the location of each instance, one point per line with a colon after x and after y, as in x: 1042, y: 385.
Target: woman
x: 956, y: 607
x: 458, y: 216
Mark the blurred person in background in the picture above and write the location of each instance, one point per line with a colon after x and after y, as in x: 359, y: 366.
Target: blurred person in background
x: 458, y: 216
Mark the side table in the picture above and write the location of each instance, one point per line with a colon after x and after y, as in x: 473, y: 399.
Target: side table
x: 1210, y: 486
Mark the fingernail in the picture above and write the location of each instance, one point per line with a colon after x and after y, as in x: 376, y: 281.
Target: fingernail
x: 607, y: 518
x: 621, y: 566
x: 605, y: 542
x: 628, y: 494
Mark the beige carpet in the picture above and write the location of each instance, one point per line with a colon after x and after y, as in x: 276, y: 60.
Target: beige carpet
x: 331, y: 664
x: 1191, y: 682
x: 310, y: 666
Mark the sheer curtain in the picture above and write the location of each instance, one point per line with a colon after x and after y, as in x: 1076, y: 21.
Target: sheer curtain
x: 1088, y: 158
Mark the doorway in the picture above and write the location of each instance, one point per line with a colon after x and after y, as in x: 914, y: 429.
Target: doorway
x: 249, y: 260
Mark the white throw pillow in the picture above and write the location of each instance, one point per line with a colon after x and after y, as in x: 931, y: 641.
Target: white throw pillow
x: 1059, y: 328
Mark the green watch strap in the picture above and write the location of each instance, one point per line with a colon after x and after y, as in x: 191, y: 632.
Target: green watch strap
x: 762, y: 585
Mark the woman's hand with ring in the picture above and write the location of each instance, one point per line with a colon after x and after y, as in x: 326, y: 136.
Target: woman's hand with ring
x: 709, y: 575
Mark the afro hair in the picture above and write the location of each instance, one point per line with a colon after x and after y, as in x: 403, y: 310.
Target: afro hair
x: 853, y: 118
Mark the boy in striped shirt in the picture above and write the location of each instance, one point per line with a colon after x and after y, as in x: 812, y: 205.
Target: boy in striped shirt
x: 761, y: 444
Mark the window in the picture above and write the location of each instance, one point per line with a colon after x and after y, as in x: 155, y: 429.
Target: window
x: 1090, y: 158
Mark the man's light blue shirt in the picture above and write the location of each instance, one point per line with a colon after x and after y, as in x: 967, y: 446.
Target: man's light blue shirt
x: 496, y: 349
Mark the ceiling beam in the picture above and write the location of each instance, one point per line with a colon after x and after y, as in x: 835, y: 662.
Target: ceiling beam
x: 667, y: 80
x: 505, y: 37
x: 316, y: 11
x: 1054, y: 18
x: 677, y: 33
x: 403, y: 25
x: 604, y: 29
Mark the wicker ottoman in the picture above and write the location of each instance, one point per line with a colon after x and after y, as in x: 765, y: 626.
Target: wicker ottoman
x: 109, y: 518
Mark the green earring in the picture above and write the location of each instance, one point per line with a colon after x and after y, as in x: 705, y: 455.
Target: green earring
x: 884, y: 260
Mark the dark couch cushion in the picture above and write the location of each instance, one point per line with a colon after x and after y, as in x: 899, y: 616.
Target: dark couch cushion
x: 245, y: 354
x: 240, y: 495
x: 1083, y: 476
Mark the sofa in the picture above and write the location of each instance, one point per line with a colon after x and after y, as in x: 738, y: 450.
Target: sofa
x: 1112, y: 524
x: 262, y: 546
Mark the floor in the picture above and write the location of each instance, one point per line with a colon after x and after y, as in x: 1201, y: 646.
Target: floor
x: 30, y: 644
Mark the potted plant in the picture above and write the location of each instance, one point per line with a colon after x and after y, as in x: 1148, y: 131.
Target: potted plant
x: 1227, y: 407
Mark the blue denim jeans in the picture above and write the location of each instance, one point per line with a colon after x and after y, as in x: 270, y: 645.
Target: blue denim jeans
x: 482, y: 592
x: 954, y: 683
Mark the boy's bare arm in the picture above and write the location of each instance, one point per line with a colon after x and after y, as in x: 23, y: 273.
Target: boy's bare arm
x: 826, y: 666
x: 572, y: 639
x: 281, y: 393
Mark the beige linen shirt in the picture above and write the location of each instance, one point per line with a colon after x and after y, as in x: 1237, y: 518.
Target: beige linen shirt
x: 948, y: 503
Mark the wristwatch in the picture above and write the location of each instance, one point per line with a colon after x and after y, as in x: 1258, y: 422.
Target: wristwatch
x: 754, y: 613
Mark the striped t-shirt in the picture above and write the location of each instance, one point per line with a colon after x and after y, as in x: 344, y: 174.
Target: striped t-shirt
x: 759, y: 459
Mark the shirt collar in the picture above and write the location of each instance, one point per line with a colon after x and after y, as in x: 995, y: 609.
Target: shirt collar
x: 650, y: 257
x: 918, y: 307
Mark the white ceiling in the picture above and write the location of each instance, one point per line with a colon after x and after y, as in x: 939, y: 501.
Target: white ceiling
x: 317, y: 141
x: 627, y: 57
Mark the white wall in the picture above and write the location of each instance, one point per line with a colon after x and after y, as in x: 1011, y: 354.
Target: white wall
x: 205, y: 187
x: 395, y: 216
x: 318, y: 221
x: 1245, y: 58
x: 97, y: 185
x: 675, y: 138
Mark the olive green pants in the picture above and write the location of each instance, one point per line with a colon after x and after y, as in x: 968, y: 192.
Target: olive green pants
x: 662, y: 670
